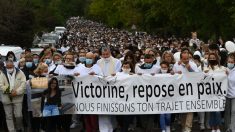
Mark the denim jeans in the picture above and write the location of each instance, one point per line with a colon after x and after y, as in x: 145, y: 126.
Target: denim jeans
x: 165, y: 120
x: 215, y: 119
x: 50, y: 110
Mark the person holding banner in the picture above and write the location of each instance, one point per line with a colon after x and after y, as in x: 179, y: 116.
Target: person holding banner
x: 57, y: 60
x: 165, y: 119
x: 82, y: 57
x: 230, y: 100
x: 109, y: 66
x: 169, y: 58
x: 89, y: 68
x: 214, y: 66
x: 124, y: 121
x: 69, y: 66
x: 148, y: 67
x: 184, y: 66
x: 12, y: 83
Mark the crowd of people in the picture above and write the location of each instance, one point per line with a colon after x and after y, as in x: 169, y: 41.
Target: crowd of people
x: 91, y: 48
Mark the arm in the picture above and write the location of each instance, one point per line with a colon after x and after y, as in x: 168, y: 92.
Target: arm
x: 118, y: 66
x: 3, y: 82
x: 21, y: 89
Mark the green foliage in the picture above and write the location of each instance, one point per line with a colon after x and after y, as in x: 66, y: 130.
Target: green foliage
x: 167, y: 17
x: 21, y: 19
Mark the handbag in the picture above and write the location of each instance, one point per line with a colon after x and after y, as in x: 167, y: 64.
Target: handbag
x: 39, y: 82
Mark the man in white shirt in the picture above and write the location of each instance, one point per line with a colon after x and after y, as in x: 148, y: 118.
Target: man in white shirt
x: 109, y: 66
x: 69, y: 66
x: 89, y: 68
x: 184, y: 66
x: 57, y: 60
x: 148, y: 67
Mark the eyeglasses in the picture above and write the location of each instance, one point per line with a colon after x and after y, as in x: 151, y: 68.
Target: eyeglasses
x: 148, y: 56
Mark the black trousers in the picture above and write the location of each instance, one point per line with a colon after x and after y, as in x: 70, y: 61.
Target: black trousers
x: 3, y: 124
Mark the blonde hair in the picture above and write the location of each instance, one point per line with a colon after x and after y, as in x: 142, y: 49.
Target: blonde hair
x: 40, y: 69
x: 169, y: 53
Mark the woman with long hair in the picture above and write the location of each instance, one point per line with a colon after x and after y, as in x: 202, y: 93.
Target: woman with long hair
x: 52, y: 103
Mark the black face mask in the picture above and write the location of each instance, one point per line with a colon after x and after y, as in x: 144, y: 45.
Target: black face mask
x: 69, y: 67
x: 213, y: 62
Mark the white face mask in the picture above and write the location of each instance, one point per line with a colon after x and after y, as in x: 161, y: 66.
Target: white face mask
x: 10, y: 70
x: 107, y: 59
x: 158, y: 58
x: 126, y: 70
x: 163, y: 71
x: 10, y: 58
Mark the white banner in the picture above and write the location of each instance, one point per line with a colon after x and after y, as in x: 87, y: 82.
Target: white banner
x: 146, y: 94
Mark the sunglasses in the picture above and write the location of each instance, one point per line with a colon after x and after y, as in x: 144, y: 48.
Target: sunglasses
x: 148, y: 56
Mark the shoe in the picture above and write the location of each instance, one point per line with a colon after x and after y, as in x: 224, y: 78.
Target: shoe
x: 163, y: 130
x: 213, y: 130
x: 202, y: 127
x: 187, y: 130
x: 228, y: 130
x: 168, y: 129
x: 74, y: 125
x: 218, y: 130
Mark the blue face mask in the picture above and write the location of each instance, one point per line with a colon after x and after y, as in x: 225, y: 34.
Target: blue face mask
x: 29, y: 64
x: 230, y: 66
x: 48, y: 61
x: 148, y: 65
x: 58, y: 62
x: 82, y: 59
x: 35, y: 61
x: 89, y: 61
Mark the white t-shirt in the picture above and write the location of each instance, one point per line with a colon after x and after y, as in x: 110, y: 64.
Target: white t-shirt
x: 155, y: 69
x: 61, y: 70
x: 83, y: 70
x: 231, y: 84
x: 180, y: 67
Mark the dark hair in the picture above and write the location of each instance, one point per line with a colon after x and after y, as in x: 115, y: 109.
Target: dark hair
x: 214, y: 47
x: 140, y: 53
x: 49, y: 86
x: 165, y: 63
x: 197, y: 57
x: 184, y: 44
x: 232, y: 55
x: 217, y: 59
x: 28, y: 49
x: 182, y: 54
x: 11, y: 53
x: 185, y: 49
x: 131, y: 65
x: 132, y: 56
